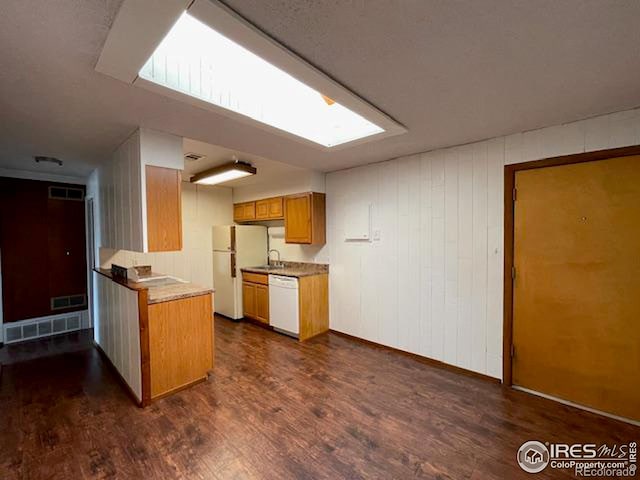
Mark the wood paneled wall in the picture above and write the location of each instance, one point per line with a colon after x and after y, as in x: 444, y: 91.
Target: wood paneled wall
x: 432, y: 285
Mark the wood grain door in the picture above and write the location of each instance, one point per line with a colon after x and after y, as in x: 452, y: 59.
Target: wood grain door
x: 42, y: 244
x: 576, y: 303
x: 249, y: 307
x: 262, y: 303
x: 297, y: 220
x: 67, y: 247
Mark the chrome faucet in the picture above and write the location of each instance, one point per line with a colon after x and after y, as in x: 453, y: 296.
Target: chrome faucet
x: 277, y: 263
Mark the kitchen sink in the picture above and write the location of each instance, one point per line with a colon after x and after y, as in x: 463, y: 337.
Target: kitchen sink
x: 271, y: 267
x: 162, y: 281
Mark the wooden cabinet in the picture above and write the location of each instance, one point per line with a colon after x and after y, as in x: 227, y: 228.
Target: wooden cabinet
x: 304, y: 218
x: 266, y: 209
x: 262, y: 303
x: 303, y: 214
x: 255, y: 296
x: 180, y: 343
x: 270, y: 209
x: 164, y: 209
x: 313, y: 291
x: 244, y: 212
x: 249, y: 307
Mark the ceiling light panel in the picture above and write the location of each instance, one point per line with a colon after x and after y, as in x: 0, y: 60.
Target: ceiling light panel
x: 196, y: 60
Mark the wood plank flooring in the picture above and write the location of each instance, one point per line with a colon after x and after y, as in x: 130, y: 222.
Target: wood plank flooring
x: 276, y: 409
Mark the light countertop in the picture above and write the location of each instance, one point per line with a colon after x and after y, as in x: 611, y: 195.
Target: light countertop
x: 162, y: 289
x: 291, y: 269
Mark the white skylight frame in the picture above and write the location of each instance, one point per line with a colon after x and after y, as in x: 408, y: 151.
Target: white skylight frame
x: 232, y: 28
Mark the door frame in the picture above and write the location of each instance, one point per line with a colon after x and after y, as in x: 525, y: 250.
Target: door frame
x: 509, y: 217
x: 89, y: 212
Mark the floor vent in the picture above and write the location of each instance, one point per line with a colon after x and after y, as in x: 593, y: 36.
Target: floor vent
x: 43, y: 327
x: 68, y: 301
x: 66, y: 193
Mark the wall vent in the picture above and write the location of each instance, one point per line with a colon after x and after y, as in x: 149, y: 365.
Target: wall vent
x: 191, y: 157
x: 68, y: 301
x: 44, y: 327
x: 66, y: 193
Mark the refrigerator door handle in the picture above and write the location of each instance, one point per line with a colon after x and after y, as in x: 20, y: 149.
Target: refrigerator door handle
x: 232, y: 240
x: 233, y: 265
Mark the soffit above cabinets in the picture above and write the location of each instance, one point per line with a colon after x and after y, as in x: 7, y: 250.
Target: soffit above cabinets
x: 131, y: 43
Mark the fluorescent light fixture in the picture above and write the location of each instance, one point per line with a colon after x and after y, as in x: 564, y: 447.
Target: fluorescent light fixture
x: 196, y: 60
x: 224, y: 173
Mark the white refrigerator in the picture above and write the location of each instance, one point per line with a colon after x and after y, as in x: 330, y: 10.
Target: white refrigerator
x: 235, y: 247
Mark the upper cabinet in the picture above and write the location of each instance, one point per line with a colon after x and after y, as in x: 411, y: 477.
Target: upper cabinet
x: 139, y: 203
x: 244, y: 212
x: 303, y: 215
x: 164, y: 213
x: 270, y: 209
x: 304, y: 218
x: 267, y: 209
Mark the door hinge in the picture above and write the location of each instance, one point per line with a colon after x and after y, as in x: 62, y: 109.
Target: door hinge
x: 515, y: 194
x: 513, y: 350
x: 513, y: 273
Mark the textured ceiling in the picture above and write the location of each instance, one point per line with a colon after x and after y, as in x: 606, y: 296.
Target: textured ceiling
x: 267, y: 170
x: 451, y: 72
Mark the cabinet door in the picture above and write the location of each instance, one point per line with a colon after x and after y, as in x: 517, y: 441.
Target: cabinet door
x: 238, y: 212
x: 262, y: 303
x: 297, y: 219
x: 249, y: 211
x: 262, y: 209
x: 249, y: 300
x: 275, y: 208
x: 164, y: 209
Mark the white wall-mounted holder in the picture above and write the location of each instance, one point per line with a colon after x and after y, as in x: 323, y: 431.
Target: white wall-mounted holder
x: 357, y: 226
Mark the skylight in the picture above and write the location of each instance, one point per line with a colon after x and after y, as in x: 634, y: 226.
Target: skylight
x: 196, y: 60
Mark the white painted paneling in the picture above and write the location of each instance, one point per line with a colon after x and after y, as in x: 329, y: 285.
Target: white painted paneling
x: 121, y: 183
x: 433, y: 283
x: 117, y: 329
x: 202, y: 207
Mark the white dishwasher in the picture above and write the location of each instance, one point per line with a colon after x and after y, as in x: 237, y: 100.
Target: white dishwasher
x: 283, y: 304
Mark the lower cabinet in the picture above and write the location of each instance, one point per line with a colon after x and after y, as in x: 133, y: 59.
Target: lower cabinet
x: 262, y: 303
x: 180, y: 343
x: 255, y: 297
x: 249, y: 306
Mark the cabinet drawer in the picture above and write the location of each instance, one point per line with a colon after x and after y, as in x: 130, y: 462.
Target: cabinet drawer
x: 261, y: 278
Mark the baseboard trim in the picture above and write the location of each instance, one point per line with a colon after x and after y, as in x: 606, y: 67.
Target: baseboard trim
x: 426, y: 360
x: 180, y: 388
x: 121, y: 379
x: 576, y: 405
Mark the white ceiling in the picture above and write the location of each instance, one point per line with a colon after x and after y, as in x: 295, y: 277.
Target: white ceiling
x: 267, y: 170
x: 451, y: 72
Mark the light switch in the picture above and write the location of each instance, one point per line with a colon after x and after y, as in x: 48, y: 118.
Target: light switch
x: 376, y: 235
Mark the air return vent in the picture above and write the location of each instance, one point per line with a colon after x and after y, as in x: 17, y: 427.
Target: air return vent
x: 68, y: 301
x: 192, y: 156
x: 66, y: 193
x: 44, y: 327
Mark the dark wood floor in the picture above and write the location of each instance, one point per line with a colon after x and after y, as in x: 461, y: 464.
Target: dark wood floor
x: 276, y: 409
